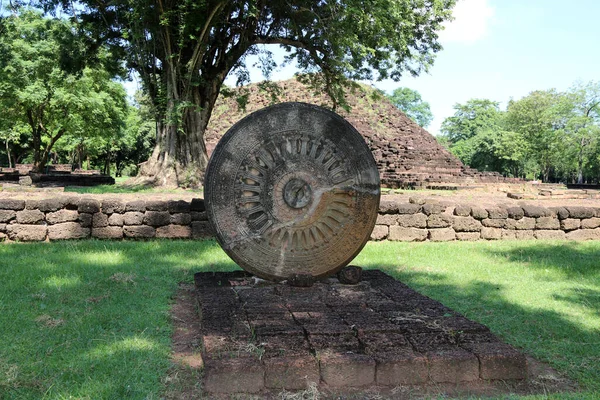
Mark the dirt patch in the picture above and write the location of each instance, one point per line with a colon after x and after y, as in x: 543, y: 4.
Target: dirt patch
x: 316, y: 343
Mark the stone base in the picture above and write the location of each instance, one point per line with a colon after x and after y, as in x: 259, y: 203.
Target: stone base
x: 261, y: 336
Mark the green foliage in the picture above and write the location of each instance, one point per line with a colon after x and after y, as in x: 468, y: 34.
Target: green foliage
x: 410, y: 103
x: 547, y: 134
x: 49, y: 91
x: 184, y: 50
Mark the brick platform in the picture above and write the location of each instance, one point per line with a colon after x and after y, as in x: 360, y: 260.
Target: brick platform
x: 377, y: 333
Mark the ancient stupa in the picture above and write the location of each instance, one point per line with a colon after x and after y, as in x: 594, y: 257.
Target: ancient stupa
x: 407, y: 155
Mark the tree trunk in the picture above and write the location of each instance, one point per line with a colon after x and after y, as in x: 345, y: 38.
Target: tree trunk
x: 179, y: 157
x: 580, y: 162
x: 8, y: 155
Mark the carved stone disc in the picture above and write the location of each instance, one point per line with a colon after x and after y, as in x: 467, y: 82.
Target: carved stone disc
x: 292, y: 189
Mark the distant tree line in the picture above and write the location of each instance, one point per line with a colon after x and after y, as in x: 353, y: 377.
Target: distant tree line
x: 547, y: 135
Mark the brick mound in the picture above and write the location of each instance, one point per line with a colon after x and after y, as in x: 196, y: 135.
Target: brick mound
x: 379, y: 333
x: 407, y: 155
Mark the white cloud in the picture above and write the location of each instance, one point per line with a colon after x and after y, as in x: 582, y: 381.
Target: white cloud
x: 471, y: 20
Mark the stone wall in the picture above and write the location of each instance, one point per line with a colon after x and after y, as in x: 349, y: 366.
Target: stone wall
x: 81, y: 218
x: 440, y: 223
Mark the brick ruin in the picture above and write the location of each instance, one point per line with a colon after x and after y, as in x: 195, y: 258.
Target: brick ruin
x: 407, y: 155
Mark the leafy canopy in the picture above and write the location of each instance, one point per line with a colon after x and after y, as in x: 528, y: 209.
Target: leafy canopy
x: 410, y: 102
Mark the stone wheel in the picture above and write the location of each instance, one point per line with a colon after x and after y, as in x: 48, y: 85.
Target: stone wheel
x: 292, y: 189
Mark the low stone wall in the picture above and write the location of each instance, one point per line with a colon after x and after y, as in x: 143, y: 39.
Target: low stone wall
x: 81, y: 218
x: 440, y: 223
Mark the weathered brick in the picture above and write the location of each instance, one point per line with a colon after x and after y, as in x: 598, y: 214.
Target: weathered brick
x: 201, y: 230
x: 536, y: 211
x: 156, y: 205
x: 88, y: 205
x: 3, y: 228
x: 27, y: 233
x: 468, y: 236
x: 197, y: 205
x: 493, y: 223
x: 112, y: 206
x: 30, y: 217
x: 236, y: 375
x: 549, y: 234
x: 291, y: 373
x: 7, y: 215
x: 139, y: 231
x: 439, y: 221
x: 62, y: 216
x: 343, y: 370
x: 67, y: 230
x: 398, y: 233
x: 525, y: 234
x: 178, y: 206
x: 181, y: 219
x: 133, y: 218
x: 584, y: 234
x: 462, y: 211
x: 115, y: 220
x: 499, y: 361
x: 430, y: 209
x: 580, y: 212
x: 497, y: 213
x: 46, y: 205
x: 108, y: 232
x: 388, y: 207
x: 442, y: 235
x: 401, y: 368
x: 515, y: 212
x: 174, y: 232
x: 408, y: 208
x: 380, y: 232
x: 99, y: 220
x: 508, y: 234
x: 525, y: 223
x: 157, y: 218
x: 590, y: 223
x: 387, y: 219
x: 412, y: 220
x: 466, y: 224
x: 491, y: 233
x: 199, y: 215
x: 135, y: 206
x: 547, y: 223
x: 12, y: 204
x: 453, y: 366
x: 479, y: 213
x: 560, y: 212
x: 85, y: 219
x: 570, y: 224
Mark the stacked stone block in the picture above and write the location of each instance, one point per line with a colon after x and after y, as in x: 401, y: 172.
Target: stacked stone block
x: 437, y: 222
x: 82, y: 218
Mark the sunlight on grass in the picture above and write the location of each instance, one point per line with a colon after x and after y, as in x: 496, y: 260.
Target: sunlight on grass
x: 90, y: 319
x: 61, y: 282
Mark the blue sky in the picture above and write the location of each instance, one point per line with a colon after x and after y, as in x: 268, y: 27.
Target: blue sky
x: 503, y: 49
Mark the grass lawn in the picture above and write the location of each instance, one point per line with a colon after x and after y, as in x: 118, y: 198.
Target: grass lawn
x: 122, y: 186
x: 90, y: 319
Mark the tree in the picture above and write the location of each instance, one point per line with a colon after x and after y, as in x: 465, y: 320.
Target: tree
x: 410, y: 103
x: 184, y: 49
x: 47, y: 91
x: 475, y: 116
x: 537, y: 117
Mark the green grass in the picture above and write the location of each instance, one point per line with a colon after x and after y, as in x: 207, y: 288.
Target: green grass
x: 121, y: 186
x: 90, y: 319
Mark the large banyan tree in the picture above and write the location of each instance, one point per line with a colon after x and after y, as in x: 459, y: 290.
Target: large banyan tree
x: 184, y: 49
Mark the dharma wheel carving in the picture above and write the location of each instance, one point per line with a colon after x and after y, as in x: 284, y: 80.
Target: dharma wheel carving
x: 292, y: 189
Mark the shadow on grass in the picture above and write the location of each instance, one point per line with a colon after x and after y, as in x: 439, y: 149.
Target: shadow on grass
x: 90, y: 319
